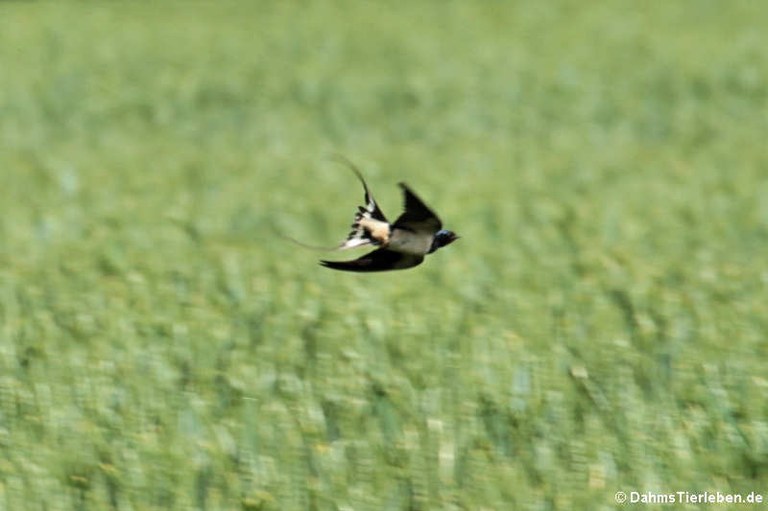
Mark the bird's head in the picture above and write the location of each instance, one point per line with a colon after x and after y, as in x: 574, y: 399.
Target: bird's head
x: 442, y: 238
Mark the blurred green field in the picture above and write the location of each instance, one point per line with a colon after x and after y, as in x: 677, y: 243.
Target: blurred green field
x: 600, y: 327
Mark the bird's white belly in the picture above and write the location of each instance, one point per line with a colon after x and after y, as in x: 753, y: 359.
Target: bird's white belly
x: 408, y: 243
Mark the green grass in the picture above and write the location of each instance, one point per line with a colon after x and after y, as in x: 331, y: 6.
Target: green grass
x: 600, y: 326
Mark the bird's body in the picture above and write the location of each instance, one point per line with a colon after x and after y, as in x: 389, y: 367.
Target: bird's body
x: 402, y: 244
x: 379, y: 231
x: 409, y: 242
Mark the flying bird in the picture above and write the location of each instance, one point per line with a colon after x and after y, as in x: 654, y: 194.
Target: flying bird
x: 403, y: 244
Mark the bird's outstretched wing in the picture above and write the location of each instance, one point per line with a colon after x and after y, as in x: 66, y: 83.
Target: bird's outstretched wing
x: 378, y: 260
x: 417, y: 216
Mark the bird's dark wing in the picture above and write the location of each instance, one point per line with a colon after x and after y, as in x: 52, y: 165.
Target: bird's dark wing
x: 417, y: 216
x: 378, y: 260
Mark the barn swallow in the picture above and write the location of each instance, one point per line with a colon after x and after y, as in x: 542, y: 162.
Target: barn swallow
x: 403, y: 244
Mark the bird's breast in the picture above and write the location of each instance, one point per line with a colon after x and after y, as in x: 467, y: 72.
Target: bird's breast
x: 407, y: 242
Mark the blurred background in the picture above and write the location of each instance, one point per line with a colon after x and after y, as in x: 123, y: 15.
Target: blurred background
x: 600, y: 327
